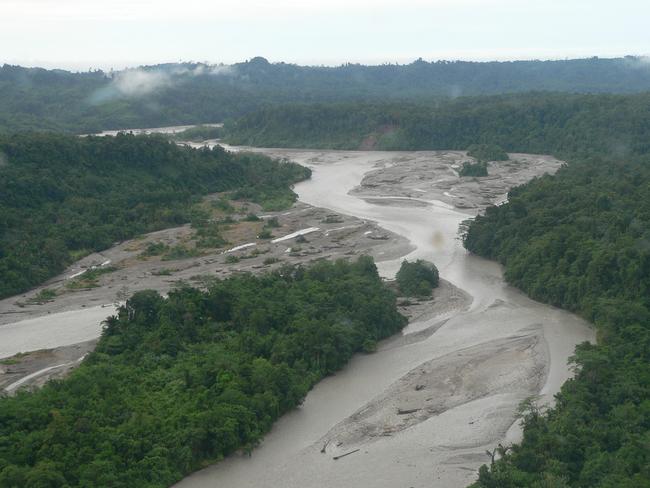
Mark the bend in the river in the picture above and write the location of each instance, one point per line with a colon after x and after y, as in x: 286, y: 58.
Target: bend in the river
x: 474, y: 369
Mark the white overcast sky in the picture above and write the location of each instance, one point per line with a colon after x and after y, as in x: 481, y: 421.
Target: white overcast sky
x: 80, y: 34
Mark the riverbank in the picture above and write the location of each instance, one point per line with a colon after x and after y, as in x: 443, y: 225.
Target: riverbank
x: 75, y: 306
x: 426, y: 406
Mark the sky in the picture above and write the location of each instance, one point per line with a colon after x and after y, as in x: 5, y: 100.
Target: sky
x: 104, y: 34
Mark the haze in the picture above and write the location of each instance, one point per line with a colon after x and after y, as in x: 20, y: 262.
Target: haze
x: 82, y: 34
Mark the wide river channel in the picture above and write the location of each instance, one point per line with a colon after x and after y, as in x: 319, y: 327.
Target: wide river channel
x: 501, y: 335
x: 465, y: 370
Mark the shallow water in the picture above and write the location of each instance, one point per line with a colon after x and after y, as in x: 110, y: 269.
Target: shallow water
x: 55, y: 330
x: 446, y: 449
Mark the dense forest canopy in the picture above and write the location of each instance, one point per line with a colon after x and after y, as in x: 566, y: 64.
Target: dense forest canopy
x: 581, y: 240
x: 192, y: 93
x: 534, y: 122
x: 63, y: 196
x: 175, y: 383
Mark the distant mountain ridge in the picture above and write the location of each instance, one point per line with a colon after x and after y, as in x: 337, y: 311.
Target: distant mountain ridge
x: 185, y: 93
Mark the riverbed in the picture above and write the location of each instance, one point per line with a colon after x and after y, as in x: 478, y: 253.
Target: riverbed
x: 421, y: 412
x: 423, y: 409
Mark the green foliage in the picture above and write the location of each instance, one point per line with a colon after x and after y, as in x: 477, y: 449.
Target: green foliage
x: 222, y: 204
x: 38, y: 99
x: 473, y: 169
x: 265, y: 234
x: 90, y: 279
x: 251, y: 217
x: 581, y: 240
x: 45, y: 295
x: 272, y: 223
x: 175, y: 383
x: 155, y: 249
x: 418, y: 278
x: 484, y: 153
x: 180, y: 251
x: 162, y: 272
x: 615, y: 125
x: 62, y: 197
x: 332, y: 219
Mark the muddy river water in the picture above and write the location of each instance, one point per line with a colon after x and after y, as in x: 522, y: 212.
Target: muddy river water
x: 423, y: 409
x: 473, y: 370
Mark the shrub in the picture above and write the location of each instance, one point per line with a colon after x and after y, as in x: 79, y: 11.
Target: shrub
x: 272, y: 223
x: 418, y: 278
x: 473, y: 169
x: 155, y: 249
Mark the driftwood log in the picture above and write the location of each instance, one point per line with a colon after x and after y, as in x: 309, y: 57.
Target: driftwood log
x: 407, y: 411
x: 346, y: 454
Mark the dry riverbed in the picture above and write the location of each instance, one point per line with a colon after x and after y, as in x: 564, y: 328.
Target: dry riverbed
x: 303, y: 234
x: 424, y: 179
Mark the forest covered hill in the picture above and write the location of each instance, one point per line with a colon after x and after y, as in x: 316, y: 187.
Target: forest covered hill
x: 62, y: 197
x: 538, y: 123
x: 190, y: 93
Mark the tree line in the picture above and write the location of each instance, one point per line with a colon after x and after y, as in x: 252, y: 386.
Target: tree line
x: 62, y: 197
x: 557, y: 123
x: 580, y: 240
x: 194, y: 93
x: 179, y: 382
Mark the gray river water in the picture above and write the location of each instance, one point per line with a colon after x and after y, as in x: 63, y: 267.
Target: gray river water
x: 480, y: 363
x: 479, y: 346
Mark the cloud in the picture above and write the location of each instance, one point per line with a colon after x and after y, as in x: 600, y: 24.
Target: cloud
x: 223, y: 70
x: 138, y: 82
x: 132, y: 83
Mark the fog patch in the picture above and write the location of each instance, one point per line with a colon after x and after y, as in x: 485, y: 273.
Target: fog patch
x: 139, y: 82
x: 135, y: 83
x: 455, y: 91
x: 223, y: 70
x: 639, y: 62
x: 130, y: 84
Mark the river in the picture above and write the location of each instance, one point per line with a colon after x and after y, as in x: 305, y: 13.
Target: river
x: 466, y: 374
x: 489, y: 358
